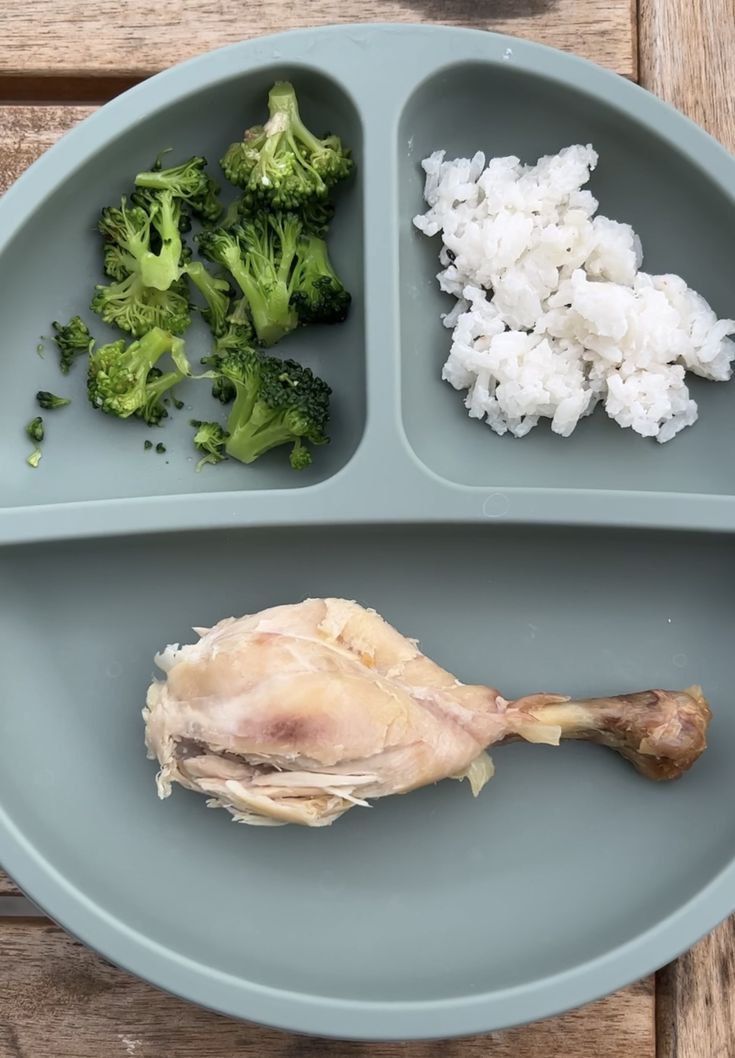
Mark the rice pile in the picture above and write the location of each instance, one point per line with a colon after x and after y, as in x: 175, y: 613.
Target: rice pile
x: 553, y: 315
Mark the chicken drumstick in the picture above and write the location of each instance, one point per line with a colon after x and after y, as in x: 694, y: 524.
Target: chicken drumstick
x: 297, y: 713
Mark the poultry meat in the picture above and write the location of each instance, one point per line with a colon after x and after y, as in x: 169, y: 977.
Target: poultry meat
x: 298, y: 713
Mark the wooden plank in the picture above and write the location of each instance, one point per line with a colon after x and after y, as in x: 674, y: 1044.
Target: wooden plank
x: 7, y: 888
x: 695, y: 1000
x: 59, y: 1000
x: 687, y: 56
x: 136, y: 38
x: 27, y: 131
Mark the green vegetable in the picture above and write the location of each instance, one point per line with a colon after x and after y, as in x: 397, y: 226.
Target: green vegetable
x: 282, y: 163
x: 147, y: 445
x: 149, y: 262
x: 216, y: 293
x: 72, y: 340
x: 283, y: 271
x: 125, y: 381
x: 277, y: 402
x: 34, y: 458
x: 160, y: 448
x: 318, y: 294
x: 148, y: 291
x: 35, y: 429
x: 209, y: 439
x: 189, y: 182
x: 50, y: 400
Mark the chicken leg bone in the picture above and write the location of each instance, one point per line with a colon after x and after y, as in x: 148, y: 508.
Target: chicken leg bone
x: 298, y: 713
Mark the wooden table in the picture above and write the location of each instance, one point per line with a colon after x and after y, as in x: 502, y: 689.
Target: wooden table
x: 58, y: 60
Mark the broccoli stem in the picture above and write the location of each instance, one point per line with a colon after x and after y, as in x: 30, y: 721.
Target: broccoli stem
x: 161, y: 270
x: 283, y: 108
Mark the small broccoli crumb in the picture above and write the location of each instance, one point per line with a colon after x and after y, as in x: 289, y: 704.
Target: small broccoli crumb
x: 210, y: 439
x: 160, y: 448
x: 178, y: 404
x: 72, y: 340
x: 49, y: 401
x: 34, y: 458
x: 147, y: 445
x: 35, y: 430
x: 40, y: 349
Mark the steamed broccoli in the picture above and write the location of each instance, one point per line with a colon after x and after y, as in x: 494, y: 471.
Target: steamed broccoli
x: 318, y: 295
x: 189, y: 182
x: 315, y: 216
x: 72, y: 340
x: 216, y: 293
x: 50, y: 400
x: 237, y: 336
x: 260, y: 255
x: 277, y: 402
x: 148, y: 291
x: 284, y: 273
x: 35, y: 429
x: 209, y: 439
x: 147, y: 257
x: 125, y: 381
x: 282, y: 163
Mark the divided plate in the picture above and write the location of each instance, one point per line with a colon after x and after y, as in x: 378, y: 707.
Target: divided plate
x: 596, y: 564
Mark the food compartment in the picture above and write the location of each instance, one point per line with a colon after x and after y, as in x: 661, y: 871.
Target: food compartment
x: 49, y: 270
x: 686, y: 222
x: 566, y: 854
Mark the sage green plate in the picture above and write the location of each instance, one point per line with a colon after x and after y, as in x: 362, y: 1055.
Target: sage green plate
x: 601, y: 563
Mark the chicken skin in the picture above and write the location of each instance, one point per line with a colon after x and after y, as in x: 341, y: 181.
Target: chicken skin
x: 298, y: 713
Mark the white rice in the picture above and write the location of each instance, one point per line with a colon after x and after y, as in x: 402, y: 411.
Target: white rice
x: 553, y: 315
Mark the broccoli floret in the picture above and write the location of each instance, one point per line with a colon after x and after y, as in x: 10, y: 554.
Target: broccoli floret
x: 72, y: 340
x: 260, y: 255
x: 209, y: 439
x: 282, y: 163
x: 136, y: 308
x: 189, y: 182
x: 216, y: 293
x: 148, y: 258
x: 277, y: 402
x: 124, y: 381
x: 117, y: 262
x: 315, y: 216
x: 144, y: 253
x: 35, y: 429
x: 50, y: 400
x: 318, y: 294
x: 158, y: 383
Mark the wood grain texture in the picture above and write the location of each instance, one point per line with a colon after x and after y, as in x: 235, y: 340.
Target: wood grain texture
x: 7, y: 888
x: 695, y: 1016
x: 27, y: 131
x: 138, y: 38
x: 63, y: 1001
x: 687, y: 56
